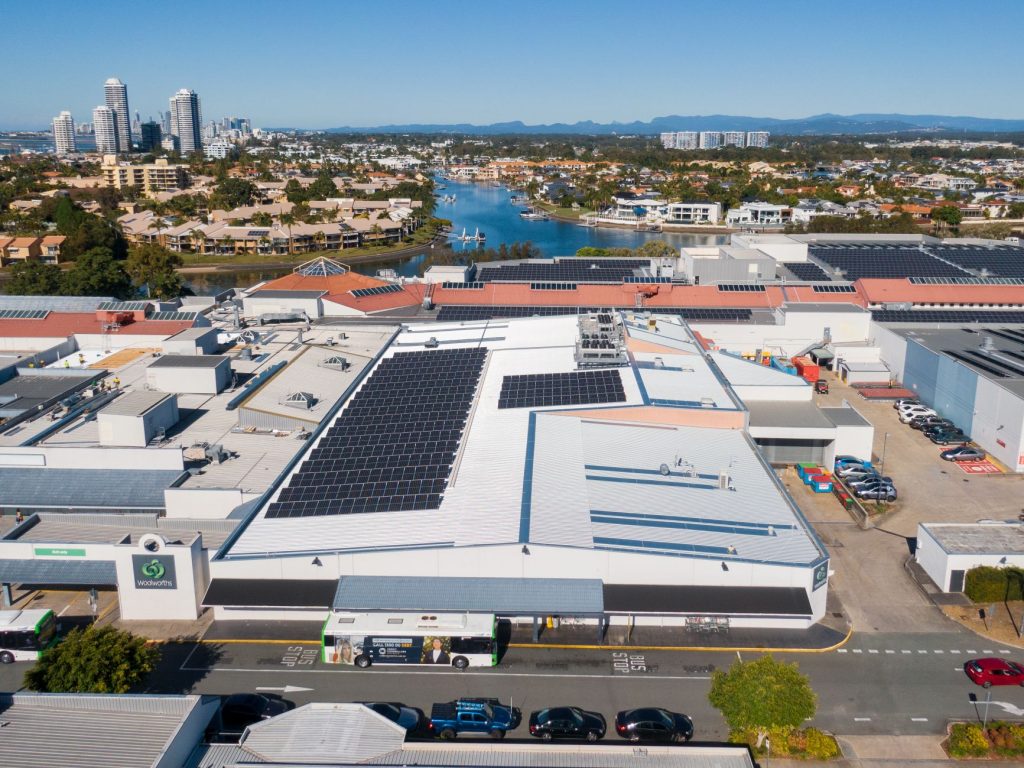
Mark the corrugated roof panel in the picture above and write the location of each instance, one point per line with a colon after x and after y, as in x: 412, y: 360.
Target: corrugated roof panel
x: 32, y: 488
x: 90, y: 573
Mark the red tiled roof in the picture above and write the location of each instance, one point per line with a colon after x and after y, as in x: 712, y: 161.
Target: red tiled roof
x: 520, y: 294
x: 410, y: 296
x: 64, y: 324
x: 877, y: 291
x: 333, y: 284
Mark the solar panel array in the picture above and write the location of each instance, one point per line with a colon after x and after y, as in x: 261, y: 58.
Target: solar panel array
x: 741, y: 287
x: 947, y: 316
x: 966, y: 280
x: 1000, y: 367
x: 392, y: 447
x: 123, y: 306
x: 552, y: 286
x: 377, y: 291
x: 883, y: 262
x: 648, y: 280
x: 551, y: 389
x: 23, y: 314
x: 174, y: 316
x: 1003, y: 261
x: 465, y: 313
x: 565, y: 270
x: 834, y: 288
x: 807, y: 271
x: 457, y: 286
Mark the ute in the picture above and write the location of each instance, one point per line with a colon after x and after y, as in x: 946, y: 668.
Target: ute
x: 487, y: 717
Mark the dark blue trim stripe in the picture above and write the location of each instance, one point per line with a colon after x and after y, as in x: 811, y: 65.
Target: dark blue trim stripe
x: 639, y: 380
x: 712, y: 521
x: 648, y: 545
x: 641, y: 481
x: 681, y: 525
x: 525, y: 506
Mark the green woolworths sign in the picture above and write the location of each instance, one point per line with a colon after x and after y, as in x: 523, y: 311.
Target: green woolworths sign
x: 58, y: 552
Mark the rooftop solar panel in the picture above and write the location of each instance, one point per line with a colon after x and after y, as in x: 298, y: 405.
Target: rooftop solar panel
x: 392, y: 447
x: 456, y: 286
x: 376, y: 291
x: 834, y: 288
x: 883, y: 261
x: 807, y: 271
x: 123, y: 306
x: 174, y: 316
x: 552, y: 286
x: 741, y: 287
x: 467, y: 312
x: 557, y: 389
x: 947, y: 316
x: 23, y: 314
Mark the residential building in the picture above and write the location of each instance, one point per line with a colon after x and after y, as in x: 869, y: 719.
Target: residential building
x: 104, y: 123
x: 710, y: 139
x: 149, y: 136
x: 187, y: 121
x: 734, y: 139
x: 46, y: 249
x: 64, y: 134
x: 116, y: 94
x: 758, y: 214
x: 702, y: 212
x: 218, y: 149
x: 681, y: 140
x: 153, y: 177
x: 757, y: 138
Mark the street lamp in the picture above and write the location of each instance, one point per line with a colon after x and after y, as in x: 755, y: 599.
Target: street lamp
x: 881, y: 460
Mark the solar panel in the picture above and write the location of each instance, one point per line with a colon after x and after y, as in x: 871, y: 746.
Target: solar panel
x: 880, y: 260
x: 123, y: 306
x: 557, y: 389
x: 376, y: 291
x: 470, y: 312
x: 947, y: 316
x: 741, y: 287
x: 23, y: 314
x: 1001, y: 261
x: 393, y: 446
x: 807, y: 271
x: 834, y: 288
x: 552, y: 286
x: 257, y: 233
x: 647, y: 280
x: 174, y: 316
x: 321, y: 268
x: 564, y: 270
x: 456, y: 286
x: 967, y: 280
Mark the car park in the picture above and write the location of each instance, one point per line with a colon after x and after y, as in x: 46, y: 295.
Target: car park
x: 410, y: 718
x: 653, y: 724
x: 842, y: 462
x: 868, y: 480
x: 240, y: 710
x: 853, y: 470
x: 964, y: 453
x: 567, y: 723
x: 912, y: 407
x: 987, y: 672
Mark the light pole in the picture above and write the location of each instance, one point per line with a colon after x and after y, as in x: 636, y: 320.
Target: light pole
x: 881, y: 460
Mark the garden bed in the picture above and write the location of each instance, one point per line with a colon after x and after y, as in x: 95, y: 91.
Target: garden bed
x: 997, y: 740
x: 798, y: 744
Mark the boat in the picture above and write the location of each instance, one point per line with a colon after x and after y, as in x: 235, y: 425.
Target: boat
x: 519, y: 199
x: 476, y: 237
x: 532, y: 214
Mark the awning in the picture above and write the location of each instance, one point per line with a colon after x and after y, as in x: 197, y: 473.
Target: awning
x: 821, y: 355
x: 503, y: 597
x: 86, y: 573
x: 270, y: 593
x: 663, y: 600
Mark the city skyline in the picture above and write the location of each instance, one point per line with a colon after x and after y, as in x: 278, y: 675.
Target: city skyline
x: 799, y: 60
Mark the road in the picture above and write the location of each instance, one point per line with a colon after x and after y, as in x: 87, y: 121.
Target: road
x: 878, y: 684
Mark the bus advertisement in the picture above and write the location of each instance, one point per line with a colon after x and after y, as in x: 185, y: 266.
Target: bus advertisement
x: 25, y: 635
x: 364, y: 639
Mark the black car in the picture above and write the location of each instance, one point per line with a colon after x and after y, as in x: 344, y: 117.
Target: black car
x: 927, y: 422
x: 410, y: 718
x: 947, y: 437
x: 240, y: 710
x: 567, y: 723
x: 653, y: 724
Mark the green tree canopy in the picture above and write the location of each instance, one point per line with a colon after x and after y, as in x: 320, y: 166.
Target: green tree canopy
x: 93, y: 660
x: 294, y: 192
x: 656, y: 249
x: 155, y: 267
x: 763, y: 694
x: 233, y: 193
x: 97, y: 273
x: 948, y: 214
x: 33, y: 278
x: 322, y: 188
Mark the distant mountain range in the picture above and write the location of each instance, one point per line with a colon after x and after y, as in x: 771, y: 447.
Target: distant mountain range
x: 816, y: 125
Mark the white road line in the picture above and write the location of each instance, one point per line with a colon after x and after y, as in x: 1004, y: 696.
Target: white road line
x: 938, y: 651
x: 842, y: 650
x: 64, y: 610
x: 872, y: 651
x: 1002, y: 651
x: 183, y: 668
x: 862, y: 719
x: 921, y: 651
x: 890, y: 651
x: 905, y: 651
x: 986, y: 651
x: 971, y: 650
x: 919, y: 719
x: 957, y: 652
x: 858, y: 650
x: 453, y: 673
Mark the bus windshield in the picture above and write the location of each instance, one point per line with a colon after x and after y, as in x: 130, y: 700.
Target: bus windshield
x: 46, y: 630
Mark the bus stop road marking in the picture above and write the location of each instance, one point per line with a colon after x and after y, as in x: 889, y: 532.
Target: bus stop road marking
x: 454, y: 673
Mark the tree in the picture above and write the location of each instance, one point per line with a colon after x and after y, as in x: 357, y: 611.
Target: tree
x: 262, y: 219
x: 322, y: 188
x: 294, y: 192
x: 233, y: 193
x: 93, y: 660
x: 97, y: 273
x: 288, y: 219
x: 155, y: 267
x: 1015, y: 211
x: 947, y: 214
x: 33, y: 278
x: 656, y: 249
x: 762, y: 695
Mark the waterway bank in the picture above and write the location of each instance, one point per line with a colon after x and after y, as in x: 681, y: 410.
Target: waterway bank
x: 690, y: 229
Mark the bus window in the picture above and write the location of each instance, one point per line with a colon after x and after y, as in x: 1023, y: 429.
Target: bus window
x: 471, y: 645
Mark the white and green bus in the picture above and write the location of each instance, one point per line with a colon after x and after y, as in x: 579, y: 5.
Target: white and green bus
x: 25, y: 635
x: 434, y: 639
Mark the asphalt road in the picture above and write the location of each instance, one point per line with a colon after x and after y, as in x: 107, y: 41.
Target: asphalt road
x: 877, y: 684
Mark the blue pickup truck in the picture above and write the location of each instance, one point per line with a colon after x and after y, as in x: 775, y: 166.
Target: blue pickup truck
x: 487, y: 717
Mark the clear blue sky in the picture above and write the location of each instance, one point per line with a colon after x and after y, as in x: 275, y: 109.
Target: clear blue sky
x: 322, y: 64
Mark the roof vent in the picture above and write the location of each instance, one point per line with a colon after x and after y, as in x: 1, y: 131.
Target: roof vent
x: 663, y: 469
x: 432, y: 343
x: 988, y: 344
x: 337, y: 362
x: 303, y: 400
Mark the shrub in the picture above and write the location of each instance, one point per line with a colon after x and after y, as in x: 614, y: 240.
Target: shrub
x: 986, y: 584
x: 820, y: 746
x: 967, y: 740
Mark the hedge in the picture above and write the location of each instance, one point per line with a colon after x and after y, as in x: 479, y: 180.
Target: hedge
x: 986, y: 584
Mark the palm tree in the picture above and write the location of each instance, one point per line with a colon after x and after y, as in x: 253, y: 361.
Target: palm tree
x: 320, y: 239
x: 288, y: 219
x: 198, y: 239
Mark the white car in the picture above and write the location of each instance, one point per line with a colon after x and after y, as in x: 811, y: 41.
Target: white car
x: 906, y: 416
x: 904, y: 405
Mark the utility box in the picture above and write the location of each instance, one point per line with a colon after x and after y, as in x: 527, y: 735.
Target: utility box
x: 190, y: 374
x: 137, y: 418
x: 191, y: 341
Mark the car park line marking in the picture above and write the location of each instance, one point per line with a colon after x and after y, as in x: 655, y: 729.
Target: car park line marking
x: 453, y: 673
x: 1004, y: 651
x: 971, y: 650
x: 872, y: 651
x: 954, y: 651
x: 919, y: 719
x: 857, y: 650
x: 888, y: 651
x: 938, y: 651
x: 919, y: 650
x: 904, y: 651
x: 862, y: 719
x: 986, y: 651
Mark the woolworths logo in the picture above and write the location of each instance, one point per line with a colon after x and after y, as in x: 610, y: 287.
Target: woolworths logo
x: 154, y: 572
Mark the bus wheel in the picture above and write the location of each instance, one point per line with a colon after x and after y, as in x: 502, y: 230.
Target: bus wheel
x: 6, y: 657
x: 460, y: 662
x: 362, y: 661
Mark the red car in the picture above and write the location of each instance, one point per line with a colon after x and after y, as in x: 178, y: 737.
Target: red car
x: 989, y: 672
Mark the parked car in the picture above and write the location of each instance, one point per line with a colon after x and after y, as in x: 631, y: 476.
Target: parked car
x: 868, y: 480
x: 821, y: 387
x: 487, y: 717
x: 988, y: 672
x: 910, y: 407
x: 410, y: 718
x: 945, y: 437
x: 240, y: 710
x: 925, y: 422
x: 853, y: 470
x: 567, y: 723
x: 911, y: 413
x: 879, y: 492
x: 653, y: 724
x: 907, y: 401
x: 846, y: 460
x: 964, y: 453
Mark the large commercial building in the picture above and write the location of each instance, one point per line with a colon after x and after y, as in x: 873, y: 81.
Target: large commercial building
x: 64, y: 140
x: 710, y: 139
x: 149, y: 136
x: 116, y: 94
x: 734, y: 139
x: 104, y: 126
x: 187, y: 121
x: 157, y: 176
x: 757, y: 138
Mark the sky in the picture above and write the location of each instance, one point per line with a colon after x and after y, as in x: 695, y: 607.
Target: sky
x: 315, y: 64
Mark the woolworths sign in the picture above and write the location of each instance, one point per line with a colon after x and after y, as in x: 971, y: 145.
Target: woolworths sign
x: 154, y: 572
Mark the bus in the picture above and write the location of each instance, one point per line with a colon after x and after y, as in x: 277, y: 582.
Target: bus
x: 26, y: 635
x: 432, y: 639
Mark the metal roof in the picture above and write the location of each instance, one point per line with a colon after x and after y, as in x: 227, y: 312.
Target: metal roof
x: 506, y: 597
x: 35, y: 487
x: 135, y: 403
x: 845, y: 417
x: 54, y: 303
x: 785, y: 413
x: 189, y: 361
x: 977, y: 539
x: 318, y: 733
x: 220, y: 756
x: 198, y: 332
x: 548, y: 755
x: 96, y: 730
x: 87, y: 573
